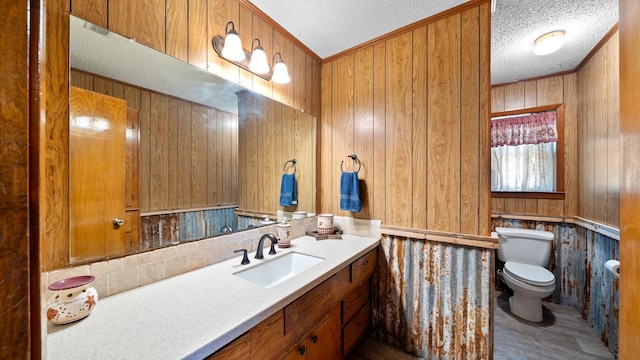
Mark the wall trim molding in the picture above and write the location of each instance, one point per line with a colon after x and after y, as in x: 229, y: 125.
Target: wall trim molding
x: 594, y: 226
x: 440, y: 236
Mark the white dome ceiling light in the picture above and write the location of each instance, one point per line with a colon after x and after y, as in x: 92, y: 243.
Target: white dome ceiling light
x: 548, y: 43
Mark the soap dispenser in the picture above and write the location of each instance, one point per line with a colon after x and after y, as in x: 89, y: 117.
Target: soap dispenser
x: 284, y: 234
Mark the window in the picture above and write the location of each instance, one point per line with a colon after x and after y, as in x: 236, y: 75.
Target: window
x: 527, y: 151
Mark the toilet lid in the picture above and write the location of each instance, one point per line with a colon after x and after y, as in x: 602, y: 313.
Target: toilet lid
x: 530, y: 274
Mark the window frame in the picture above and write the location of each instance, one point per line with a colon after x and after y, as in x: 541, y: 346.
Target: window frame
x: 559, y: 193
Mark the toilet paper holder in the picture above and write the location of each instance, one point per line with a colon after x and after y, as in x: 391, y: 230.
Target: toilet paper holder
x: 613, y: 266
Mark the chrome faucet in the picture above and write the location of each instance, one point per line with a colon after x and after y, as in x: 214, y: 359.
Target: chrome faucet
x: 274, y: 241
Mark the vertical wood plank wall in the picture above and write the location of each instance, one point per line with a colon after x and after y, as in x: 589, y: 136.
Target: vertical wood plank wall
x: 187, y: 151
x: 414, y: 108
x: 591, y: 146
x: 15, y: 340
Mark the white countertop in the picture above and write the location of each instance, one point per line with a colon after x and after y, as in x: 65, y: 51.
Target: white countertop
x: 194, y: 314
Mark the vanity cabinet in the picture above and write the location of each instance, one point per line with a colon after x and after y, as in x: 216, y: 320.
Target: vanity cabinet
x: 324, y: 323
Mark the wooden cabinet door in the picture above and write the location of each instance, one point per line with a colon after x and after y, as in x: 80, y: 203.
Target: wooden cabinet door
x: 298, y: 352
x: 323, y: 343
x: 239, y: 349
x: 97, y: 170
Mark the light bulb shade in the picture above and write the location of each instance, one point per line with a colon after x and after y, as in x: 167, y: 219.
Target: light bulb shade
x: 259, y: 64
x: 548, y: 43
x: 280, y: 73
x: 232, y: 49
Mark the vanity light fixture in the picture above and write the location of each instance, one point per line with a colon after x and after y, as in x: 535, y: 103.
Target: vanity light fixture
x: 280, y: 72
x: 258, y: 62
x: 230, y: 48
x: 548, y: 43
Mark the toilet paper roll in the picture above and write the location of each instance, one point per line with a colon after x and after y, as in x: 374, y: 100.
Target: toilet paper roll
x: 613, y: 266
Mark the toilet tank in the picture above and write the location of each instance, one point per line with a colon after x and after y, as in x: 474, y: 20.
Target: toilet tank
x: 525, y: 246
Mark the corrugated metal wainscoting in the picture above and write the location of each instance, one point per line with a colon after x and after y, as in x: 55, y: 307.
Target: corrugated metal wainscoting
x: 582, y: 282
x: 434, y: 299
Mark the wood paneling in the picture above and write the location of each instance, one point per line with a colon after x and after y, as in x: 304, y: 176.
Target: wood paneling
x: 94, y: 11
x: 177, y: 27
x: 199, y: 41
x: 143, y: 20
x: 412, y: 107
x: 630, y: 179
x: 15, y: 261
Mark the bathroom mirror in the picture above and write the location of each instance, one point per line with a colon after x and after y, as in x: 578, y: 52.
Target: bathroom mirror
x: 255, y: 141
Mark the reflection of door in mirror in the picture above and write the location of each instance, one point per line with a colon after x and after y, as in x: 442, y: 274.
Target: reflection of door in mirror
x: 97, y: 148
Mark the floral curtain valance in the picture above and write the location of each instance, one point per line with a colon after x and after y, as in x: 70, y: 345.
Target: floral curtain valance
x: 528, y: 129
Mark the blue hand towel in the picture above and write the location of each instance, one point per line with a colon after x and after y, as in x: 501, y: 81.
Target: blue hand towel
x: 349, y: 192
x: 288, y: 190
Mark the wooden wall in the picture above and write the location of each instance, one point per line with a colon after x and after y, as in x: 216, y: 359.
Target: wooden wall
x: 188, y: 151
x: 591, y: 148
x: 414, y: 107
x: 561, y: 89
x: 599, y: 136
x: 15, y: 338
x: 630, y: 178
x: 272, y: 134
x: 184, y: 29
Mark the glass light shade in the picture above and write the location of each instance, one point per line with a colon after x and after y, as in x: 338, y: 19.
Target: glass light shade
x: 258, y: 62
x: 280, y: 73
x: 548, y: 43
x: 232, y: 49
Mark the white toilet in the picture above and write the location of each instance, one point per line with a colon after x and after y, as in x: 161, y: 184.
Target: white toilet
x: 525, y: 253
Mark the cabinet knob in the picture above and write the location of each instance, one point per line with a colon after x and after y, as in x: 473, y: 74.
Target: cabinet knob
x: 314, y: 338
x: 118, y: 222
x: 301, y: 350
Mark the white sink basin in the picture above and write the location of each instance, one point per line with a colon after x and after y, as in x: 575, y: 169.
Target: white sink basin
x: 274, y: 271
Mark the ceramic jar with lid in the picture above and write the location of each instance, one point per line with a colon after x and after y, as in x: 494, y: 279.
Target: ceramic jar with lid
x: 71, y: 299
x: 284, y: 234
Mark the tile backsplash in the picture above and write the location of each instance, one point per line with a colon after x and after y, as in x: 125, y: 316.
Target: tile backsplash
x: 126, y: 273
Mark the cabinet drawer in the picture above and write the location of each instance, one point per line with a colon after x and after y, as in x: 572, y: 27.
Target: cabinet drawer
x: 267, y: 340
x: 305, y: 313
x: 352, y: 332
x: 239, y: 349
x: 354, y: 301
x: 364, y: 267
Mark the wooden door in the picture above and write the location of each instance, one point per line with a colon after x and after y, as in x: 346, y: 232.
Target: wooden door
x: 629, y: 322
x: 323, y: 343
x: 97, y: 170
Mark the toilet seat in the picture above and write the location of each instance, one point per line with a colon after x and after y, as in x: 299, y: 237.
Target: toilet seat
x: 529, y: 274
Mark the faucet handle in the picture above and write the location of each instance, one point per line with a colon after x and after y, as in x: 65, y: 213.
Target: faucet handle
x: 245, y: 258
x: 272, y: 251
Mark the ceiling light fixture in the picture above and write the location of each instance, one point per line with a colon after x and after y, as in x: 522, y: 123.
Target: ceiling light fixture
x: 230, y: 48
x: 548, y: 43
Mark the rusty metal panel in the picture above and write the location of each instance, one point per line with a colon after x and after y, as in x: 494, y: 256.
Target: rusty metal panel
x: 434, y: 299
x: 166, y: 229
x: 578, y: 261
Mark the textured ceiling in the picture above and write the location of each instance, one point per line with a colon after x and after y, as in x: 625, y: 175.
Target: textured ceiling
x: 328, y: 27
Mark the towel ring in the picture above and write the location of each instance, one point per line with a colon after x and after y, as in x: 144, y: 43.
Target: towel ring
x: 353, y: 157
x: 293, y: 161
